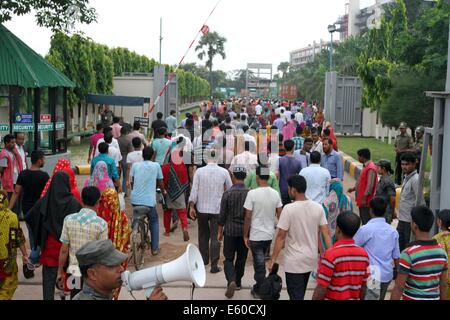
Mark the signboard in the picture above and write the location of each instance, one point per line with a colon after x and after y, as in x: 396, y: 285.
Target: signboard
x: 46, y: 118
x: 288, y: 91
x: 60, y: 126
x: 22, y: 118
x: 21, y: 127
x: 44, y: 127
x: 145, y: 122
x: 4, y: 127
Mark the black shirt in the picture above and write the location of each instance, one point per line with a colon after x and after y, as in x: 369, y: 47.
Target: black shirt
x: 232, y: 212
x: 158, y: 124
x: 32, y: 183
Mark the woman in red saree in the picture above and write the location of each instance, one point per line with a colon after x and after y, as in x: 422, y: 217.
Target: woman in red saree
x: 119, y: 229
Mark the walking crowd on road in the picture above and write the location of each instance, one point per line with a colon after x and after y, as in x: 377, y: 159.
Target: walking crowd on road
x: 259, y: 177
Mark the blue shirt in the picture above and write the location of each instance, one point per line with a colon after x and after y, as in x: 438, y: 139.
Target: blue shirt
x: 110, y: 163
x: 171, y: 124
x: 380, y: 240
x: 145, y: 176
x: 333, y: 162
x: 279, y: 123
x: 161, y: 147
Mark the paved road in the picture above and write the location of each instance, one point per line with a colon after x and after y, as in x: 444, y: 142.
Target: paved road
x: 171, y: 248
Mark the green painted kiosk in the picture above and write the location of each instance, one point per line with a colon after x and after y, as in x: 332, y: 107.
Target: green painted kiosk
x: 33, y: 98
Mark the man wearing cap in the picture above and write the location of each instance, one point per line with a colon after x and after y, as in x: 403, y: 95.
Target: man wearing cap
x: 403, y: 143
x: 386, y: 188
x: 231, y: 230
x: 101, y: 267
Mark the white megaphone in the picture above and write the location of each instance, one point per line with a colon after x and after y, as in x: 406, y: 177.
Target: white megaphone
x: 188, y: 267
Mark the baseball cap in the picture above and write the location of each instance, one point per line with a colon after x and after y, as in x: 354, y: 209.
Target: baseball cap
x: 403, y: 125
x: 100, y: 252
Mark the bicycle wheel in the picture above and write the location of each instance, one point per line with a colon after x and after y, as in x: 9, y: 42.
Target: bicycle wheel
x: 139, y: 246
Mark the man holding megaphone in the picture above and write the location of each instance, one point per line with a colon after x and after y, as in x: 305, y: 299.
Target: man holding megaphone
x: 101, y: 267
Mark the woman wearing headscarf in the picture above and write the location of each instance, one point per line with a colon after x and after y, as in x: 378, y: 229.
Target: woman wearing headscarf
x: 119, y: 229
x: 100, y: 178
x: 64, y: 165
x: 336, y: 203
x: 11, y: 238
x: 176, y: 182
x: 46, y: 220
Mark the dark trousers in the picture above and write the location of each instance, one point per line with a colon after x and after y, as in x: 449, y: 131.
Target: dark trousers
x: 398, y: 169
x: 364, y: 214
x: 49, y: 275
x: 259, y: 249
x: 208, y: 231
x: 297, y: 283
x: 17, y: 209
x: 404, y: 234
x: 235, y: 253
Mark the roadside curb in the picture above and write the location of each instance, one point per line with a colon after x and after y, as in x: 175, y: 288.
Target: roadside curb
x: 351, y: 166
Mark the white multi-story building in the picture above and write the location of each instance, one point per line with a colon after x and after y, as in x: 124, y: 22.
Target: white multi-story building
x: 300, y: 57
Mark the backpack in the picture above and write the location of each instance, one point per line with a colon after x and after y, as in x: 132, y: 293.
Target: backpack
x: 270, y: 289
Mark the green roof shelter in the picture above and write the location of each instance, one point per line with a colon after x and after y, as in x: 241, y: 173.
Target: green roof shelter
x: 33, y: 96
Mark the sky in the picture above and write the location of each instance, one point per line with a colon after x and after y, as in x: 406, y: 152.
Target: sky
x: 257, y: 31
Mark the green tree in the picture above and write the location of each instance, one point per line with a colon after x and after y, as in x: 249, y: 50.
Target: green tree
x: 209, y: 47
x: 54, y: 14
x: 284, y: 68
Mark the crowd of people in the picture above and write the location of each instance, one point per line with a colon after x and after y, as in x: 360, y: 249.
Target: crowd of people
x: 263, y: 176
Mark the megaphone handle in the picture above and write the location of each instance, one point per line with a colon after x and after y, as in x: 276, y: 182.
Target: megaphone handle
x: 192, y: 291
x: 148, y: 291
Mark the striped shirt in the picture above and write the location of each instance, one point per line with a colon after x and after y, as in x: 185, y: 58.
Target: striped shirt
x: 209, y: 184
x: 298, y: 141
x: 423, y: 262
x: 81, y: 228
x: 343, y: 271
x: 232, y: 213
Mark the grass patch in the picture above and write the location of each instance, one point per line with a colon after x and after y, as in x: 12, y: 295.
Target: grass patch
x: 380, y: 150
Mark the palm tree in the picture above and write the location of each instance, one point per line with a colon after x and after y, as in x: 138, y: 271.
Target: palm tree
x: 211, y: 45
x: 283, y: 68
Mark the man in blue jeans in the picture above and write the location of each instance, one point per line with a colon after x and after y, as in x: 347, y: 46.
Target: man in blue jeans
x: 145, y: 176
x: 260, y: 206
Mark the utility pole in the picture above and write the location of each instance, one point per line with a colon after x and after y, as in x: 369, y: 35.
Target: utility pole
x: 160, y: 41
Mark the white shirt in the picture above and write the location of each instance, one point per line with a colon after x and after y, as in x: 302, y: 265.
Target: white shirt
x: 115, y: 154
x: 245, y: 159
x: 278, y: 110
x: 134, y: 157
x: 208, y: 187
x: 249, y: 138
x: 263, y: 202
x: 288, y: 115
x: 318, y: 146
x: 301, y: 220
x: 114, y: 144
x: 299, y: 117
x: 188, y: 146
x: 258, y: 110
x: 274, y: 162
x: 317, y: 182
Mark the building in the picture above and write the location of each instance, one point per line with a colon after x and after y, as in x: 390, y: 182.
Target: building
x: 259, y: 79
x: 300, y: 57
x: 33, y: 99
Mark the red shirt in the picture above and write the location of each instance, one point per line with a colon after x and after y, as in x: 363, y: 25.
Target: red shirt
x: 344, y: 270
x: 50, y: 254
x: 94, y: 141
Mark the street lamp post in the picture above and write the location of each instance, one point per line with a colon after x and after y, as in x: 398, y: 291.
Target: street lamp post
x: 331, y: 29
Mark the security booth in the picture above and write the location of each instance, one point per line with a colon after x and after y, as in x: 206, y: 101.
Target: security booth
x: 33, y: 98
